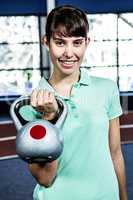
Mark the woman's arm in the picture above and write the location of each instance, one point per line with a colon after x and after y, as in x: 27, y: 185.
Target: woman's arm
x: 117, y: 157
x: 44, y: 173
x: 45, y: 101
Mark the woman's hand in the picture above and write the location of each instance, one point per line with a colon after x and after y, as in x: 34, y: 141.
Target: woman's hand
x: 44, y: 101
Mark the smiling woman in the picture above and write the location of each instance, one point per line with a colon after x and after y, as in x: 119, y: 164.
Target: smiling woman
x: 91, y: 128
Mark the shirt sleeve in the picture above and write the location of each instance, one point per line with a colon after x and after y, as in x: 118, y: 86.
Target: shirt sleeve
x: 28, y: 113
x: 115, y: 109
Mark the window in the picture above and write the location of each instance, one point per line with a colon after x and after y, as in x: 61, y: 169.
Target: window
x: 108, y: 55
x: 110, y: 51
x: 19, y: 54
x: 125, y: 35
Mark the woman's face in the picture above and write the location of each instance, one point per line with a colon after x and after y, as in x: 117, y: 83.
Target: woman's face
x: 67, y: 52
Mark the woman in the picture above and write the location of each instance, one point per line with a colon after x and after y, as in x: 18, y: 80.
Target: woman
x: 91, y: 166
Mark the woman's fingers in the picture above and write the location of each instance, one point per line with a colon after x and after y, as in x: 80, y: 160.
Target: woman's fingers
x: 34, y: 98
x: 44, y: 101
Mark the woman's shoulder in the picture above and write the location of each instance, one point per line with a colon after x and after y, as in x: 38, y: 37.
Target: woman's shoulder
x: 98, y: 81
x: 104, y: 86
x: 103, y: 82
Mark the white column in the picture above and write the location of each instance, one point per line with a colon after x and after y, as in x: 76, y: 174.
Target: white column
x: 50, y: 5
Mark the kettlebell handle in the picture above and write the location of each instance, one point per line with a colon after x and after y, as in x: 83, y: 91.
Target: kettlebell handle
x: 25, y: 100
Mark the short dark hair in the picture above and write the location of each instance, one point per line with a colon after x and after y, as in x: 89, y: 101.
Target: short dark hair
x: 67, y: 20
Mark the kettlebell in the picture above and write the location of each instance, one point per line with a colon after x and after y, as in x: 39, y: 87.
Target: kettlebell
x: 38, y: 140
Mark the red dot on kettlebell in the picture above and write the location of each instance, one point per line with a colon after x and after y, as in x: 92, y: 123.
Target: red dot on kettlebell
x: 38, y: 132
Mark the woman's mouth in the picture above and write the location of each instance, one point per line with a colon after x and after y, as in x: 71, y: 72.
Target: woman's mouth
x: 67, y: 63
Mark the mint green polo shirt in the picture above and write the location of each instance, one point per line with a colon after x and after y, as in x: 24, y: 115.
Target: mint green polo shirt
x: 85, y: 169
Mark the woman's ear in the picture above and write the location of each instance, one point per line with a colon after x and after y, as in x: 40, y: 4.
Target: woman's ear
x: 44, y: 41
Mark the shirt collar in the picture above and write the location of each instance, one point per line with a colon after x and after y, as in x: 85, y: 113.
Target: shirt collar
x: 84, y: 77
x: 44, y: 84
x: 84, y: 80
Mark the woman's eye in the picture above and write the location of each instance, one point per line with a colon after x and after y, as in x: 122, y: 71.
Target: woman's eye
x: 59, y: 43
x: 78, y: 43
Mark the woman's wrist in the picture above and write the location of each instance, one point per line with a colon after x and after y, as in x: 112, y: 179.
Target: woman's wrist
x: 49, y: 116
x: 54, y: 116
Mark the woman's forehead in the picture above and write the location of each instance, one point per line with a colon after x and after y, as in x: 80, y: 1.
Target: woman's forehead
x: 61, y: 30
x: 56, y: 35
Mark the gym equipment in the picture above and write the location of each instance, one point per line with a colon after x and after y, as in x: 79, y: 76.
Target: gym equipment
x: 38, y: 140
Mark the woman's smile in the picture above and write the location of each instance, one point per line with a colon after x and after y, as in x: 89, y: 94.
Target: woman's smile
x: 67, y: 63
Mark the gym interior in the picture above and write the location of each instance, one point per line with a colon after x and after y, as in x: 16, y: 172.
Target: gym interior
x: 24, y: 60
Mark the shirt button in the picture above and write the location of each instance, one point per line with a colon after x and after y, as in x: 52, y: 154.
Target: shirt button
x: 76, y: 85
x: 73, y: 106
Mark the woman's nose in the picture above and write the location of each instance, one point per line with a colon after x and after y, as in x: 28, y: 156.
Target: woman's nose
x: 68, y: 52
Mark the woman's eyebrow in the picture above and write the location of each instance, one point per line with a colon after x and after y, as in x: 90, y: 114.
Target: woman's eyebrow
x: 79, y: 39
x: 57, y: 38
x: 60, y: 38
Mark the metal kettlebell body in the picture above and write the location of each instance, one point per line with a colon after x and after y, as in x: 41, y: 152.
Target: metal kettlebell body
x: 38, y: 140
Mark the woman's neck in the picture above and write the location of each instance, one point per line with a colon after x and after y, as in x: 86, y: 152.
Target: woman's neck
x: 63, y: 83
x: 62, y: 79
